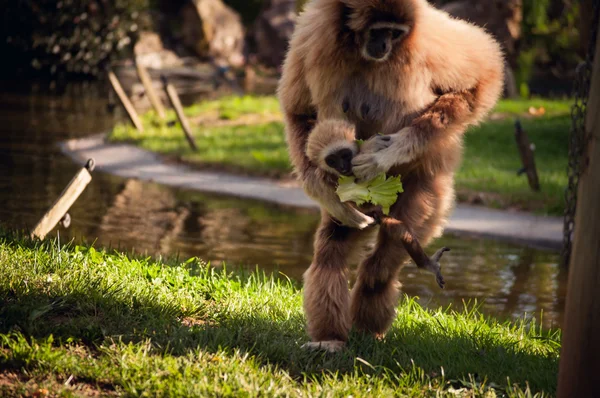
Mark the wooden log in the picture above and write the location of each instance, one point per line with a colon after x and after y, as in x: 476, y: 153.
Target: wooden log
x: 59, y: 209
x: 176, y: 103
x: 580, y: 353
x: 135, y: 119
x: 150, y: 92
x: 527, y: 157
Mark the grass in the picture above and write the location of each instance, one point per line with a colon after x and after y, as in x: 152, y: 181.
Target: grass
x: 491, y: 159
x: 256, y: 147
x: 78, y: 321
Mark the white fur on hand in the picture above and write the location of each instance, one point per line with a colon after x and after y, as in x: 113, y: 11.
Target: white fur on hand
x: 343, y: 212
x: 349, y: 216
x: 383, y: 153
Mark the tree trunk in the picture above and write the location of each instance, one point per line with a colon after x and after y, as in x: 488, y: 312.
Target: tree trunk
x: 580, y: 354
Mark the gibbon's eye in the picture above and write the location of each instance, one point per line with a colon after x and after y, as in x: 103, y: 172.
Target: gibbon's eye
x: 396, y: 33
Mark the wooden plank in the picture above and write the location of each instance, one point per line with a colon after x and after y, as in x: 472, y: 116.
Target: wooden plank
x: 176, y: 103
x: 64, y: 202
x: 580, y: 353
x: 527, y: 157
x: 125, y: 101
x: 150, y: 92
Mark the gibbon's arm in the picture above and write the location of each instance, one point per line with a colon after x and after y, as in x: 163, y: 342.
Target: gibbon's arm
x: 300, y: 117
x: 468, y: 75
x: 466, y: 68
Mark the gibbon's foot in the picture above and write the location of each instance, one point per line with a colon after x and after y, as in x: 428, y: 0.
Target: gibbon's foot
x: 331, y: 346
x: 433, y: 266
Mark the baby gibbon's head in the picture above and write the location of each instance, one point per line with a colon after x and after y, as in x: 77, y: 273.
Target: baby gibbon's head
x: 331, y: 146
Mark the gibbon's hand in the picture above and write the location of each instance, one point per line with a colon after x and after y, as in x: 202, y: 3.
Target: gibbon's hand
x: 381, y: 152
x: 325, y: 194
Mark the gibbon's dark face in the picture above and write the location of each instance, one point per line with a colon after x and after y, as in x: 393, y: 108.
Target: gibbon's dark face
x: 380, y: 39
x: 378, y: 26
x: 341, y: 161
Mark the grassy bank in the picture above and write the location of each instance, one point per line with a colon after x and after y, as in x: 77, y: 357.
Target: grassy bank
x: 245, y: 135
x: 74, y: 320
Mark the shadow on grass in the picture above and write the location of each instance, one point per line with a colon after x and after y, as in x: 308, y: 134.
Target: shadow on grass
x: 94, y: 317
x: 86, y: 297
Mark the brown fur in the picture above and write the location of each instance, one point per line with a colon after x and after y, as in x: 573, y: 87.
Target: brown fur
x: 442, y: 77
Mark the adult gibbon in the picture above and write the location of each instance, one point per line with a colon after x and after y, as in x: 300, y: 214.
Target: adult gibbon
x: 412, y: 73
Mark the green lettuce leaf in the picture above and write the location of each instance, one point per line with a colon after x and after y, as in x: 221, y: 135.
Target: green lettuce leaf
x: 384, y: 191
x: 349, y: 191
x: 381, y: 191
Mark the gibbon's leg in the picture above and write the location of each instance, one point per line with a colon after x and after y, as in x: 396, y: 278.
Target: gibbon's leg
x: 326, y: 295
x: 375, y: 293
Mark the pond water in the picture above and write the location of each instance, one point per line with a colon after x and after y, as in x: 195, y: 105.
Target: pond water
x: 507, y: 280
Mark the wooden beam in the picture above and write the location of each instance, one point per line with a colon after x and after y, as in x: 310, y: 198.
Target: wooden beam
x: 580, y: 353
x: 176, y: 103
x: 527, y: 157
x: 150, y: 92
x: 59, y: 209
x: 135, y: 119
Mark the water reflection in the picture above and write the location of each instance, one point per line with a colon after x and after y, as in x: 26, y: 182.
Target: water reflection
x: 130, y: 215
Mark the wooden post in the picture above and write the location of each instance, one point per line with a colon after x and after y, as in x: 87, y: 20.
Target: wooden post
x: 125, y: 101
x: 149, y: 88
x: 580, y: 353
x: 59, y: 209
x: 176, y: 103
x: 527, y: 158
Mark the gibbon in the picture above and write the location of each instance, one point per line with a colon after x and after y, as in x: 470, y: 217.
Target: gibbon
x: 406, y: 70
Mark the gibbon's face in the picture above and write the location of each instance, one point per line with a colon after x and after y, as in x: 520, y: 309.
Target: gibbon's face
x: 380, y: 39
x: 379, y: 26
x: 340, y: 159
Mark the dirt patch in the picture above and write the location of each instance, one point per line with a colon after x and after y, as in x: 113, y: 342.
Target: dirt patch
x: 23, y: 385
x: 191, y: 322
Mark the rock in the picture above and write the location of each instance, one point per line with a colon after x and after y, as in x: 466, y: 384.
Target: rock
x: 273, y: 30
x: 211, y: 29
x: 150, y: 52
x: 501, y: 18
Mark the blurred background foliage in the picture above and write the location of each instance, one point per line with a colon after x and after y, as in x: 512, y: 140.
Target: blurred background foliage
x: 80, y: 37
x: 69, y: 36
x: 550, y: 39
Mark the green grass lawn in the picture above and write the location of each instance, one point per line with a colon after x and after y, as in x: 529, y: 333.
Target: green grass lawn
x: 77, y: 321
x: 490, y: 163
